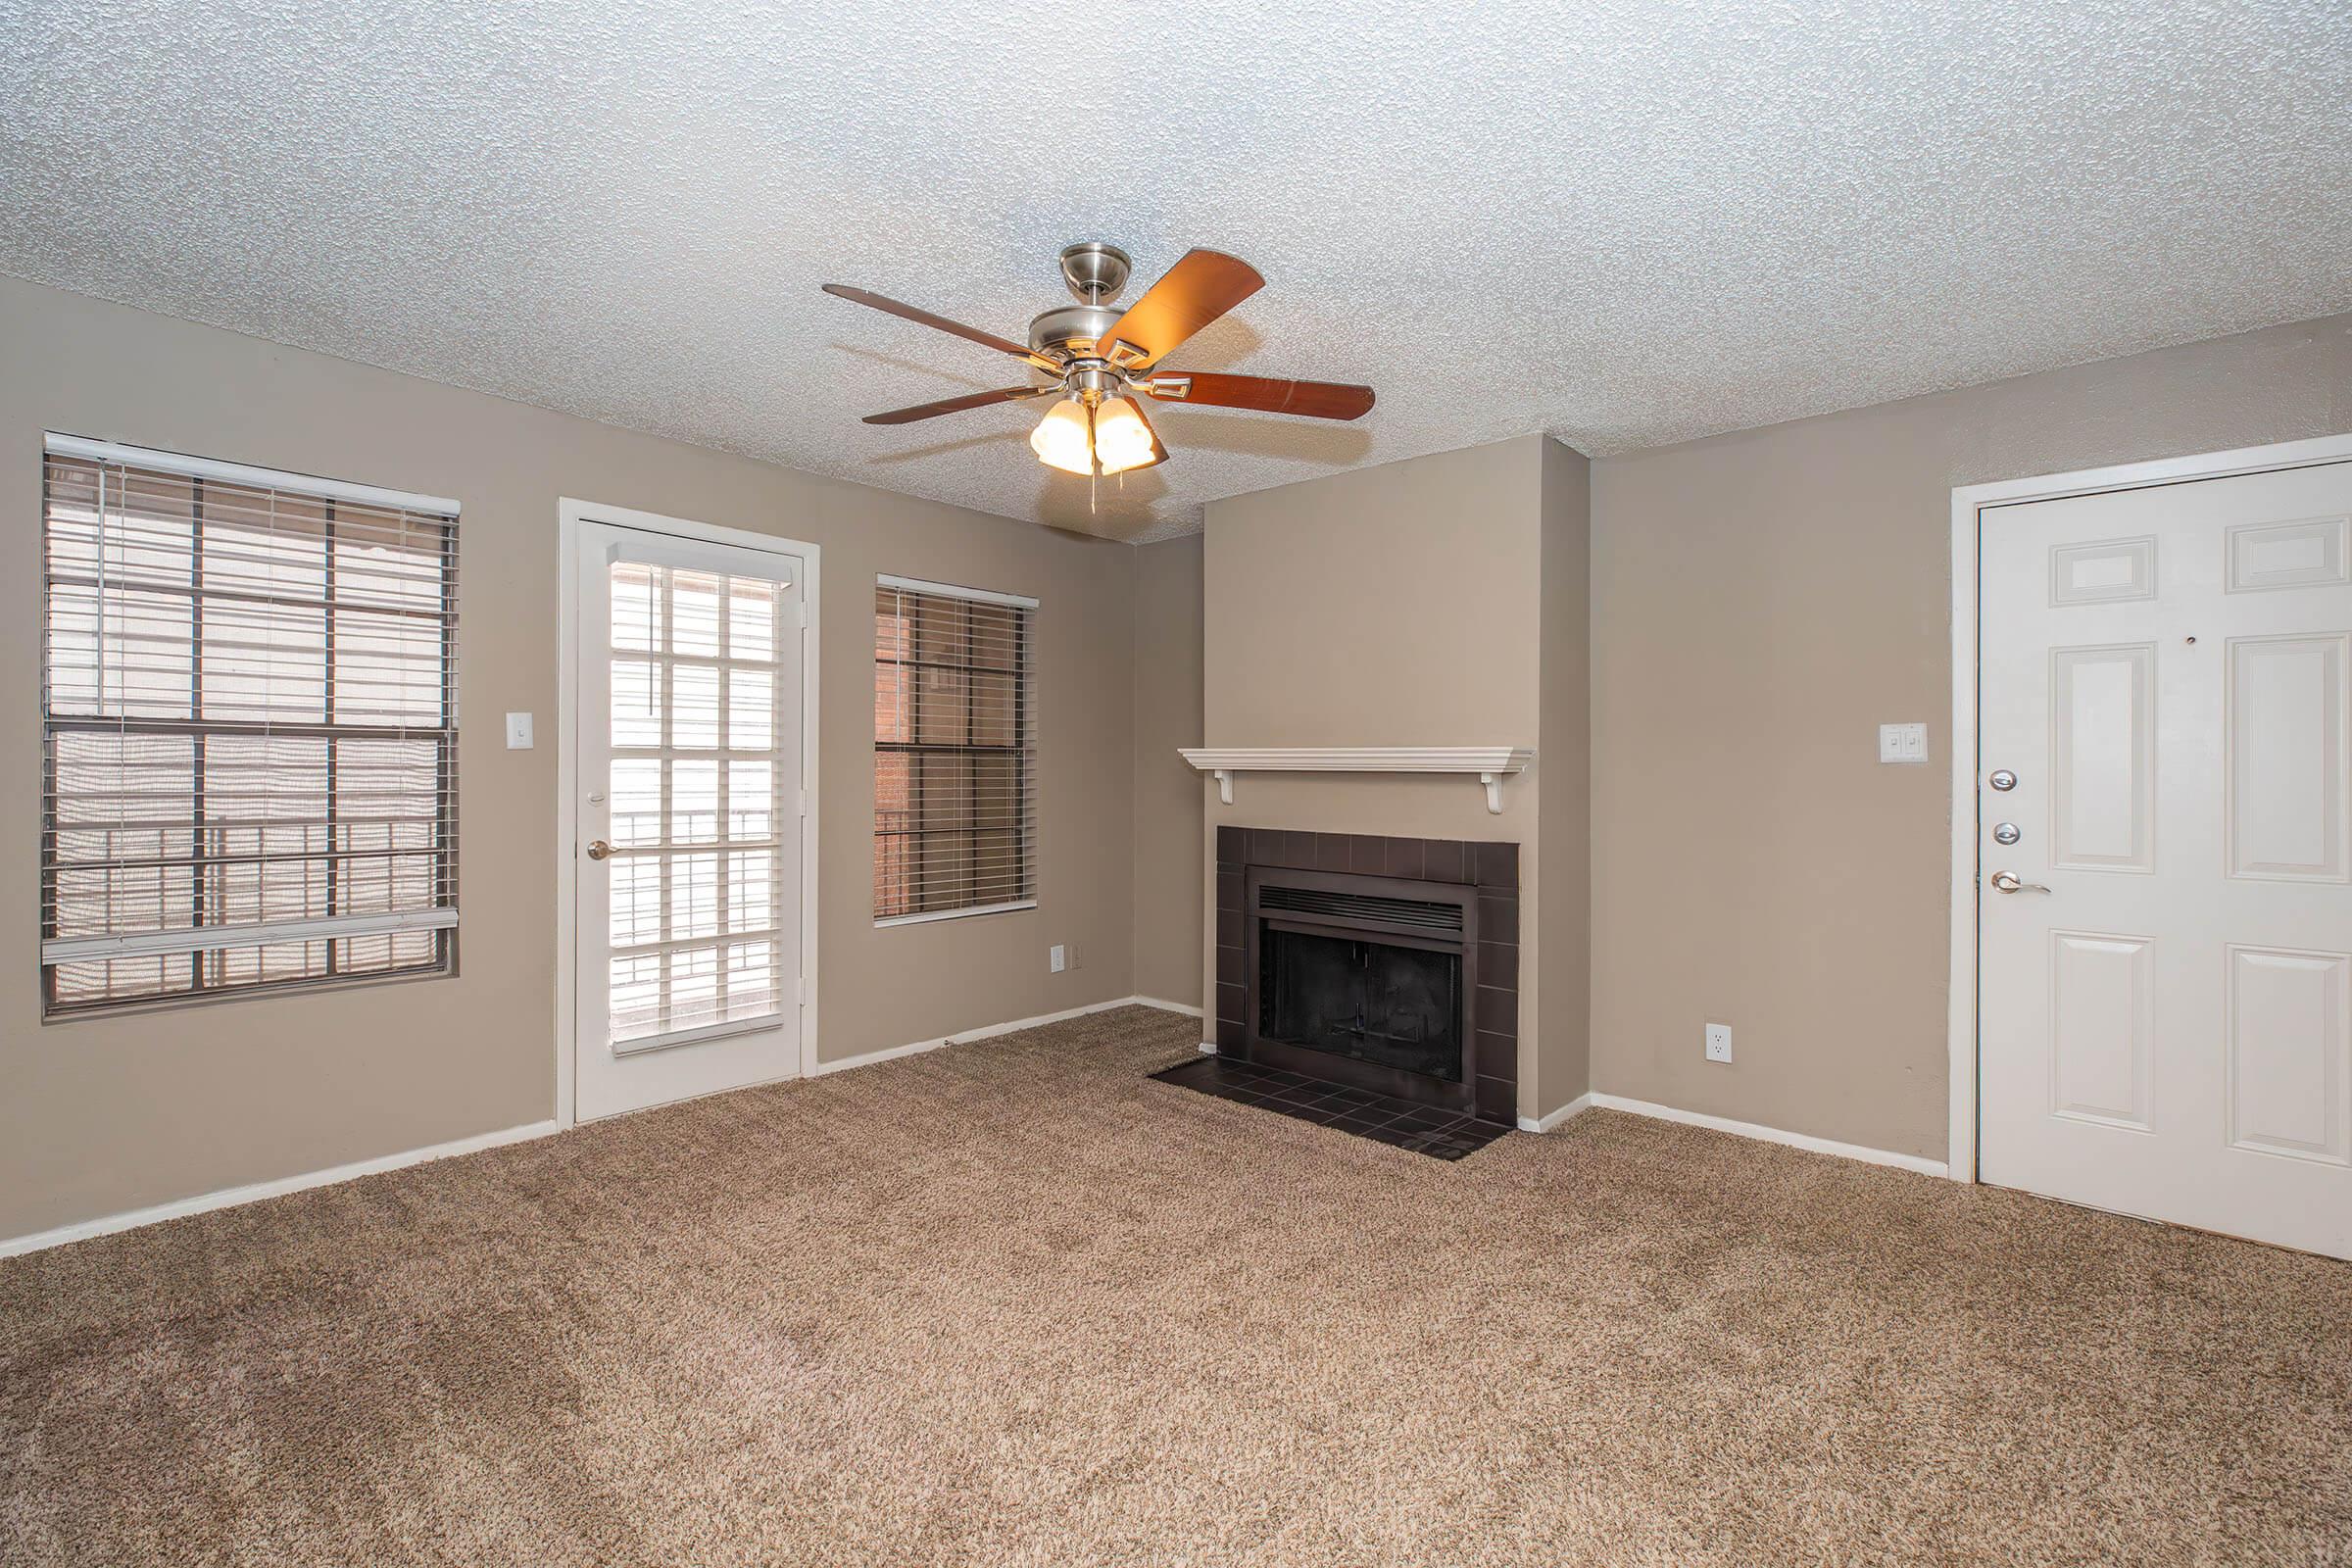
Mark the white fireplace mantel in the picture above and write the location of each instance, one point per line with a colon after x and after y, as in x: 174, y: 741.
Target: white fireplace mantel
x: 1490, y: 763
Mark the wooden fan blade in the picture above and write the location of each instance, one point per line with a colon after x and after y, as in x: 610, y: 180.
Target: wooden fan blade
x: 970, y: 400
x: 915, y: 313
x: 1196, y: 291
x: 1317, y: 400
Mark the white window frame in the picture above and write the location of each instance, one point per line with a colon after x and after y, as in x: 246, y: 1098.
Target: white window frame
x: 571, y: 515
x: 209, y: 938
x: 977, y: 595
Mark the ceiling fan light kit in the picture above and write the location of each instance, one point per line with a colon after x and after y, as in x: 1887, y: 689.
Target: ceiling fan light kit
x: 1122, y: 440
x: 1100, y: 360
x: 1065, y: 439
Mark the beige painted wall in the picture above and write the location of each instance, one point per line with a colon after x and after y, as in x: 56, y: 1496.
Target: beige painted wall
x: 1168, y: 907
x: 1564, y: 751
x: 1761, y: 602
x: 101, y: 1115
x: 1453, y: 543
x: 1757, y: 604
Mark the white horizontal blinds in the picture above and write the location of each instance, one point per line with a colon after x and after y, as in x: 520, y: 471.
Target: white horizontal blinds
x: 954, y: 751
x: 696, y: 798
x: 249, y: 734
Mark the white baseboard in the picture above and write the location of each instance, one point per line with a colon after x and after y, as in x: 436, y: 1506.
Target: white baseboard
x: 1772, y: 1135
x: 230, y: 1196
x: 985, y: 1032
x: 1551, y: 1119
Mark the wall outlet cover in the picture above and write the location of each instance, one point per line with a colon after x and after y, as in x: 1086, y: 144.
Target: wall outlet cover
x: 1057, y: 958
x: 1718, y: 1042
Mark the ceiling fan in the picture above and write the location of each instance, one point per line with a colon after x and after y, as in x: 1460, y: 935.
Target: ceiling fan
x: 1097, y: 358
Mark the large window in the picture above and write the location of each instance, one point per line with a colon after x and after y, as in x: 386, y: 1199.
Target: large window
x: 954, y: 751
x: 249, y: 740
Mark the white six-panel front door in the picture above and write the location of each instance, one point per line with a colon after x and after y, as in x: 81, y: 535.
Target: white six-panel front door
x: 688, y: 872
x: 2165, y: 996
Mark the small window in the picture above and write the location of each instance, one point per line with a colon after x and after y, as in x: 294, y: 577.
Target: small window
x: 954, y: 751
x: 248, y: 729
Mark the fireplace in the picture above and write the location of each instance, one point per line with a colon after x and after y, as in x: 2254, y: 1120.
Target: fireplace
x: 1364, y: 980
x: 1389, y: 964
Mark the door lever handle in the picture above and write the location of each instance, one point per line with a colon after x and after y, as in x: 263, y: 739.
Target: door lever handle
x: 598, y: 849
x: 2011, y: 882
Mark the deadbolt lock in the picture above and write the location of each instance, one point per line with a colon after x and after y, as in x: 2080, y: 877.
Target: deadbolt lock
x: 2006, y: 833
x: 2002, y: 779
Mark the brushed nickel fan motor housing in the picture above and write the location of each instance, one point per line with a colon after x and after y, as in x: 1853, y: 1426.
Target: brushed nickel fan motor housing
x: 1066, y: 325
x: 1094, y: 273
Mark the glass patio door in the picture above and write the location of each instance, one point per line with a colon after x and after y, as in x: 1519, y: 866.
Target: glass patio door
x: 687, y: 885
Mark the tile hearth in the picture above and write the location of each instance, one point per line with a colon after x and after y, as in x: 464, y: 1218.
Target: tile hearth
x: 1423, y: 1129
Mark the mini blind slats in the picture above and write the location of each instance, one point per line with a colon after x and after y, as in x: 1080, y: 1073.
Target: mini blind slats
x: 695, y: 800
x: 954, y: 753
x: 249, y: 734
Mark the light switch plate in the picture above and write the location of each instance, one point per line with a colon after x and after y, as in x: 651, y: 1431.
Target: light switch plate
x: 1902, y: 743
x: 518, y: 732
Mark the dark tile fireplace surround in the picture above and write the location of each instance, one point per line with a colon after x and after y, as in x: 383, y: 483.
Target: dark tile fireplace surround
x: 1390, y: 966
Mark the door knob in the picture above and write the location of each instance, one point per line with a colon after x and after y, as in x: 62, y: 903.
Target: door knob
x: 2011, y: 882
x: 598, y: 849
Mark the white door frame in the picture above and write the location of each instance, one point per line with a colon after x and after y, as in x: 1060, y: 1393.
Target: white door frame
x: 571, y: 515
x: 1968, y: 500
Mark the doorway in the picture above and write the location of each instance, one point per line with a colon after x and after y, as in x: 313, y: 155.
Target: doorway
x: 2156, y: 837
x: 686, y: 787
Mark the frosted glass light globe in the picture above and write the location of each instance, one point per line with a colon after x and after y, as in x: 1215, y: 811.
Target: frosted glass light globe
x: 1122, y: 440
x: 1060, y: 438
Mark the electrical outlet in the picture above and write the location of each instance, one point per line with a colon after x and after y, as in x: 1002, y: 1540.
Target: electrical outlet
x: 1718, y: 1042
x: 1057, y: 957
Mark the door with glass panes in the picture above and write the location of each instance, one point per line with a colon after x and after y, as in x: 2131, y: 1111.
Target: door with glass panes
x: 688, y: 850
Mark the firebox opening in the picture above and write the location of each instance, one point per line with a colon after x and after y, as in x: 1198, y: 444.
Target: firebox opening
x: 1370, y: 1001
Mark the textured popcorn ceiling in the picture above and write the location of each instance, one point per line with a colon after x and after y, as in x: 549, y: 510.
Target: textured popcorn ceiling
x: 1622, y: 222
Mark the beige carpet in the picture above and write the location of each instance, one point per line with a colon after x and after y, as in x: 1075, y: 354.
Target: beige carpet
x: 1010, y: 1302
